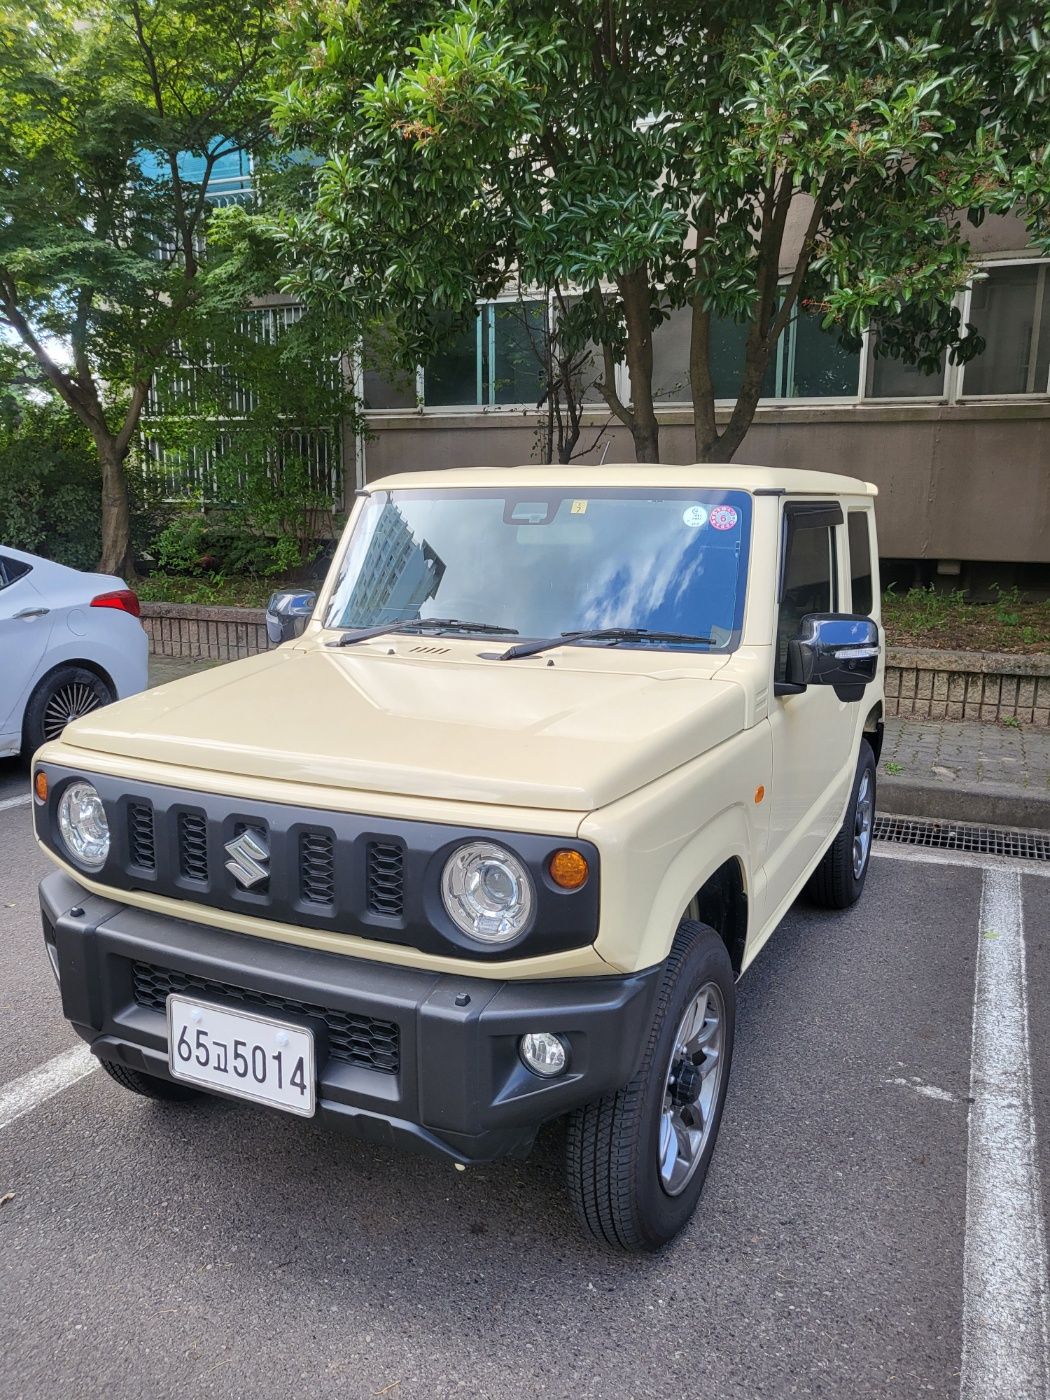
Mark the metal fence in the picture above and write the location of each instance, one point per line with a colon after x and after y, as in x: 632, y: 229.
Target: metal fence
x: 192, y: 473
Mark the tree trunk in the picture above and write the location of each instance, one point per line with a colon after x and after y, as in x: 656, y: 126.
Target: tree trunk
x: 634, y: 292
x: 116, y: 557
x: 701, y: 385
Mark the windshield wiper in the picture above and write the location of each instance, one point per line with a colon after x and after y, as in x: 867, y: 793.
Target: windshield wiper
x: 611, y: 634
x: 420, y: 624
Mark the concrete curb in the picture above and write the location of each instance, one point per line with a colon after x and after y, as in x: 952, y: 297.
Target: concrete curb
x: 988, y: 804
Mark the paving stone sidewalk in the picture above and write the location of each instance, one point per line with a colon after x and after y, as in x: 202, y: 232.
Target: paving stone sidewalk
x: 944, y: 751
x: 963, y: 770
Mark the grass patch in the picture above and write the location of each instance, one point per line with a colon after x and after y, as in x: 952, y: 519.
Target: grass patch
x: 923, y: 617
x: 208, y: 590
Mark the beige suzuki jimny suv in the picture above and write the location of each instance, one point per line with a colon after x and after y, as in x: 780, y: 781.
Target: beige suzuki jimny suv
x: 489, y: 838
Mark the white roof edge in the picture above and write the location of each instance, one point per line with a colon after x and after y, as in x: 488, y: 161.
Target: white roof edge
x: 739, y: 476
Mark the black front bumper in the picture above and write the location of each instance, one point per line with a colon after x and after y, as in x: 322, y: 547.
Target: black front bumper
x: 459, y: 1088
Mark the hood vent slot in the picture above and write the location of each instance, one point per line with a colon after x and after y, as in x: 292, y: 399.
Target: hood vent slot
x: 429, y: 651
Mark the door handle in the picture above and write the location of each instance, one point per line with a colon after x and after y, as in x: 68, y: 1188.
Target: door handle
x: 27, y: 613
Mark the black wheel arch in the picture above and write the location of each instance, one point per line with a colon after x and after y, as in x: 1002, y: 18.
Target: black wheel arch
x: 721, y: 903
x: 874, y: 729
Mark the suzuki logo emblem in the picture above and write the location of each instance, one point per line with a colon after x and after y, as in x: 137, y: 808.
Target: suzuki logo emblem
x: 249, y: 858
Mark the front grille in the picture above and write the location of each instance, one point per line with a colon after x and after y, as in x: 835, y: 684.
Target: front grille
x: 317, y: 867
x: 360, y: 1040
x: 142, y: 841
x: 386, y: 878
x: 347, y: 875
x: 963, y: 836
x: 193, y: 846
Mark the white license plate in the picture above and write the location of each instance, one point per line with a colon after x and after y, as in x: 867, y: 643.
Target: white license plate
x: 241, y: 1053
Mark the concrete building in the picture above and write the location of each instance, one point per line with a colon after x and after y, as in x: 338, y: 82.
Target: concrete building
x: 961, y: 458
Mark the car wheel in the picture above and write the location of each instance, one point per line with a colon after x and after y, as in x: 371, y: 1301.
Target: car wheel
x: 64, y: 695
x: 150, y: 1086
x: 838, y: 880
x: 636, y: 1160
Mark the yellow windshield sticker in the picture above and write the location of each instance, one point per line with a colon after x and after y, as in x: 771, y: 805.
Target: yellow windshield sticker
x: 578, y: 508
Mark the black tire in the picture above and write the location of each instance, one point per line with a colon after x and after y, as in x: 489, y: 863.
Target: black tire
x: 612, y: 1164
x: 836, y: 883
x: 150, y: 1086
x: 74, y: 687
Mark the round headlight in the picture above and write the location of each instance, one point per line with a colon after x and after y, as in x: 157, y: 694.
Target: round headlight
x: 487, y: 892
x: 82, y: 822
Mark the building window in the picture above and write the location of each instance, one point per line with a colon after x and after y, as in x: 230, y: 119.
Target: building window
x: 809, y: 363
x: 454, y: 376
x: 1010, y: 309
x: 671, y: 357
x: 383, y: 383
x: 497, y: 358
x: 893, y: 379
x: 816, y: 364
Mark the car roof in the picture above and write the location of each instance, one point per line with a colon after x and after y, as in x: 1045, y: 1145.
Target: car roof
x: 736, y: 476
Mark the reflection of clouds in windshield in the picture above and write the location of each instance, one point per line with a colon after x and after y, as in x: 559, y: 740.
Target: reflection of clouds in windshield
x: 627, y: 592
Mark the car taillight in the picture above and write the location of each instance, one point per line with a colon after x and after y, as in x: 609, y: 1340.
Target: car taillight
x: 121, y: 598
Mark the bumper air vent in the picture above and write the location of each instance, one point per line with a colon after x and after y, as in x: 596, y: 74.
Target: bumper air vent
x: 386, y: 879
x: 360, y: 1040
x: 317, y: 867
x: 193, y: 846
x: 142, y: 840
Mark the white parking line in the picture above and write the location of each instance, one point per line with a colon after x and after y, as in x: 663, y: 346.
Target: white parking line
x: 29, y: 1091
x: 14, y: 801
x: 1005, y: 1321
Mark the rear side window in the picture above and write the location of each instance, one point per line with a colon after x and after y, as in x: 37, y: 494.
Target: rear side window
x: 11, y: 569
x: 860, y: 561
x: 808, y: 571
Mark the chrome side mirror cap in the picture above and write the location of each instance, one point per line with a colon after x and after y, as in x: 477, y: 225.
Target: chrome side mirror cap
x: 836, y: 649
x: 287, y: 614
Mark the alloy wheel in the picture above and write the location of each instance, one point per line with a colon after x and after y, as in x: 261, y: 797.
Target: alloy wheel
x: 862, y: 824
x: 691, y: 1089
x: 68, y: 702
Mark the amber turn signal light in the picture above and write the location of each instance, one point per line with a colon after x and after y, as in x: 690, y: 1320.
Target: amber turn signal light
x: 40, y: 785
x: 568, y: 869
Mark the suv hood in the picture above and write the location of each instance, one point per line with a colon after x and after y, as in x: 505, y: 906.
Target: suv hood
x: 517, y: 735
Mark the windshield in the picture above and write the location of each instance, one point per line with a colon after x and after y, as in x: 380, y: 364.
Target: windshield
x: 547, y: 562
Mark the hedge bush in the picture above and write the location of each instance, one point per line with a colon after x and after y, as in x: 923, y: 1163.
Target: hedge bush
x: 50, y: 485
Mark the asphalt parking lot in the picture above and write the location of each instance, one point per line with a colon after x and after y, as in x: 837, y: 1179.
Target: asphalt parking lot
x: 866, y: 1230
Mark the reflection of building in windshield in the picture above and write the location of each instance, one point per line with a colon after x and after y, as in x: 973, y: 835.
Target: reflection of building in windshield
x: 398, y: 576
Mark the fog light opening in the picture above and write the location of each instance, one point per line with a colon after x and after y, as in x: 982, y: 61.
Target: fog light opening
x: 544, y: 1053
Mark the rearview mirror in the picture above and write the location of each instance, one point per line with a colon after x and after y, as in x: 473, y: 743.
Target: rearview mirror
x: 837, y: 649
x: 287, y: 614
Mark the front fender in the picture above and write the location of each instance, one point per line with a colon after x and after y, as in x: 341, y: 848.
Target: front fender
x: 659, y: 845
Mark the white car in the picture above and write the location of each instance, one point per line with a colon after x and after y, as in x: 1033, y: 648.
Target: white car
x: 69, y: 642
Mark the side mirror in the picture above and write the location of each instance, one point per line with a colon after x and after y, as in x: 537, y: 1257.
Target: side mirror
x: 287, y: 614
x: 837, y: 649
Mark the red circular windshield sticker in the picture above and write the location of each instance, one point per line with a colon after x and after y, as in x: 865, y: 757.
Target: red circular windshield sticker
x: 722, y: 518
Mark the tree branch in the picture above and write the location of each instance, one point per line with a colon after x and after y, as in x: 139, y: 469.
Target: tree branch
x: 131, y: 418
x: 805, y: 257
x: 82, y: 400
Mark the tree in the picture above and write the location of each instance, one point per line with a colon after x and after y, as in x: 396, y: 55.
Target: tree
x: 744, y: 160
x: 102, y: 228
